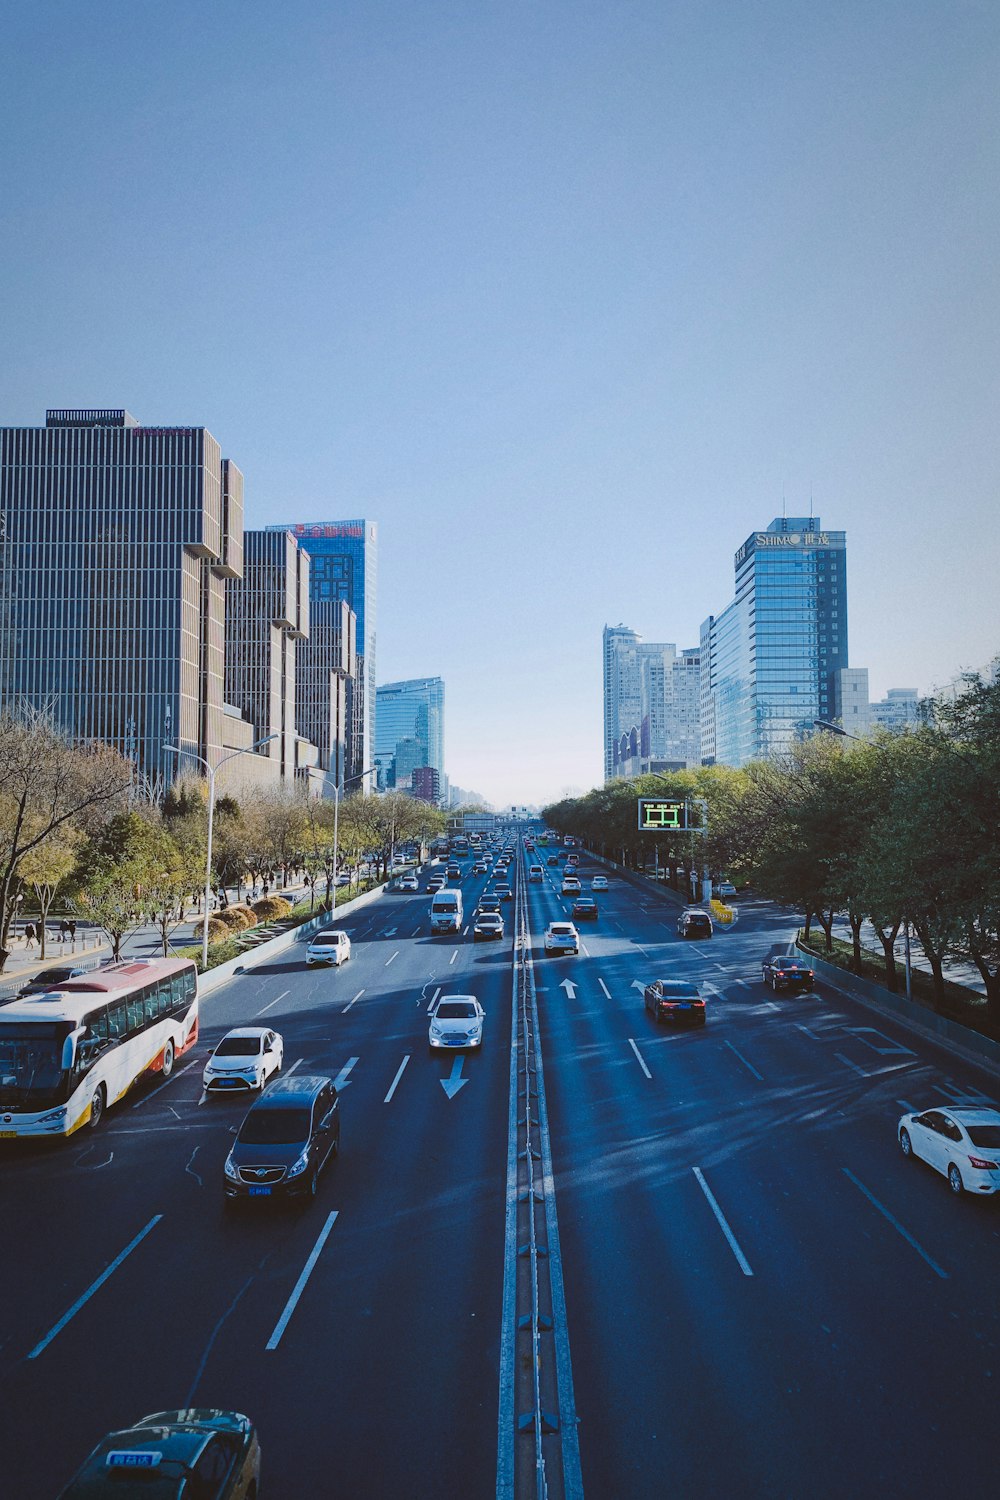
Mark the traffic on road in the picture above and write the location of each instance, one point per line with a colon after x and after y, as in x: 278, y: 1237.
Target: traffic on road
x: 281, y: 1230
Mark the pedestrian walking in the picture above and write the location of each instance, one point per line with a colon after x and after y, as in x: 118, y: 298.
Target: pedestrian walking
x: 71, y: 929
x: 63, y: 929
x: 29, y: 933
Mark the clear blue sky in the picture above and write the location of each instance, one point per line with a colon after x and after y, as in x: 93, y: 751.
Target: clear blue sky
x: 565, y: 295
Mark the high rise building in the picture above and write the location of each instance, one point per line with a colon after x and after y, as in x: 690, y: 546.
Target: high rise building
x: 118, y: 541
x: 410, y: 729
x: 651, y: 705
x: 897, y: 711
x: 343, y: 558
x: 425, y: 783
x: 267, y: 618
x: 852, y: 710
x: 325, y: 669
x: 770, y: 661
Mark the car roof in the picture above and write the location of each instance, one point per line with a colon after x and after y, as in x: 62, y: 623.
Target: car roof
x: 285, y: 1093
x: 678, y: 987
x: 973, y: 1115
x: 245, y: 1031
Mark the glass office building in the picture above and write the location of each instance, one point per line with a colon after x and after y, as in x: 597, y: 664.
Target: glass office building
x: 343, y: 565
x: 410, y: 730
x: 116, y: 542
x: 771, y: 662
x: 651, y: 705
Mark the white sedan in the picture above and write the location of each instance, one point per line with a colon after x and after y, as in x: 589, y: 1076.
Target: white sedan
x: 599, y: 883
x: 245, y: 1059
x: 409, y: 883
x: 963, y: 1144
x: 331, y: 946
x: 456, y: 1021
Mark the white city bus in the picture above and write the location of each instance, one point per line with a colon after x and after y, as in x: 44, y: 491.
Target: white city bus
x: 66, y: 1055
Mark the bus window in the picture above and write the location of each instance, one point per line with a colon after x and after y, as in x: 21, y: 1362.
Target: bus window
x: 135, y: 1016
x: 150, y: 1001
x: 117, y: 1021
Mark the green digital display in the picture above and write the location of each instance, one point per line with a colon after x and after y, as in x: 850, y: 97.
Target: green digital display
x: 662, y: 815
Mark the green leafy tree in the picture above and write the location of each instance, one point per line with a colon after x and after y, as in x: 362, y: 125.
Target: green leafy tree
x: 115, y: 874
x: 48, y: 866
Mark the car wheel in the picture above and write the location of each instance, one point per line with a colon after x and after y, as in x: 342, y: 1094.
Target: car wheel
x: 167, y: 1066
x: 905, y: 1144
x: 955, y: 1180
x: 97, y: 1107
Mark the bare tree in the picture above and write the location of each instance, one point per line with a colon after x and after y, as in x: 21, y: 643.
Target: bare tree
x: 47, y: 782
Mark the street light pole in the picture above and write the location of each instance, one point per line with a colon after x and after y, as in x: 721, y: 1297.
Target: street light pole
x: 832, y: 728
x: 211, y: 770
x: 336, y: 823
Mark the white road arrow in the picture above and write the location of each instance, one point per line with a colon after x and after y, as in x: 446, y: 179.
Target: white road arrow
x: 455, y: 1081
x: 341, y: 1081
x: 637, y: 984
x: 570, y: 989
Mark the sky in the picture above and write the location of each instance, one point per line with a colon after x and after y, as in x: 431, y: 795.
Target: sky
x: 569, y: 296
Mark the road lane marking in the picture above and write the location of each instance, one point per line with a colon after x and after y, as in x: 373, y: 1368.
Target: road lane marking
x: 433, y: 999
x: 389, y: 960
x: 746, y: 1064
x: 744, y: 1264
x: 905, y: 1104
x: 453, y: 957
x: 907, y: 1236
x: 341, y: 1080
x: 810, y: 1034
x: 351, y: 1002
x: 300, y: 1285
x: 769, y: 1005
x: 864, y: 1033
x: 465, y: 930
x: 639, y: 1057
x: 584, y: 947
x: 297, y: 1063
x: 604, y: 987
x: 416, y: 932
x: 399, y: 1074
x: 267, y: 1007
x: 153, y: 1092
x: 847, y: 1063
x: 95, y: 1286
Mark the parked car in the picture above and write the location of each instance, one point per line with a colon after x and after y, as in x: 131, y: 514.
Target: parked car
x: 675, y: 1000
x: 51, y: 979
x: 562, y: 937
x: 785, y: 971
x: 694, y: 923
x: 963, y: 1144
x: 456, y: 1021
x: 331, y: 946
x: 285, y: 1141
x: 244, y: 1059
x: 196, y: 1451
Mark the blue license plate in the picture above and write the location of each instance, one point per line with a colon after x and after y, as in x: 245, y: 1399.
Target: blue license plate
x: 260, y: 1192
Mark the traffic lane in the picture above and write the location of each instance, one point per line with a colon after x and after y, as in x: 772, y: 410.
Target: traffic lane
x: 839, y: 1243
x: 405, y: 1297
x: 231, y: 1273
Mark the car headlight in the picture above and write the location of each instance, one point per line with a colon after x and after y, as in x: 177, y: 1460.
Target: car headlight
x: 299, y: 1165
x: 230, y: 1170
x: 52, y: 1116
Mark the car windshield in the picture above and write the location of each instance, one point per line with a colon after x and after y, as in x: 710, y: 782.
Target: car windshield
x: 987, y: 1136
x: 327, y: 939
x: 239, y: 1046
x: 274, y: 1127
x: 455, y: 1010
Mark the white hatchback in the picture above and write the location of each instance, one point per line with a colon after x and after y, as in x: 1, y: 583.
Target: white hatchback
x: 329, y: 947
x: 245, y: 1059
x: 962, y: 1143
x: 599, y: 883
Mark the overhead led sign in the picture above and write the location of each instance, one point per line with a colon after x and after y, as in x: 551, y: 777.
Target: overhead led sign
x: 662, y: 815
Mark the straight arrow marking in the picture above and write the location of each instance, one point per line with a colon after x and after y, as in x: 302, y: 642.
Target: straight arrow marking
x: 570, y: 989
x: 454, y: 1081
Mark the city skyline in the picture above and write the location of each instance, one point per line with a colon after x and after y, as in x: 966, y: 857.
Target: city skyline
x: 566, y: 300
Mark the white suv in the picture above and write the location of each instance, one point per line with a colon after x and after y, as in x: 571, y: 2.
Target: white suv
x: 562, y: 937
x: 329, y: 947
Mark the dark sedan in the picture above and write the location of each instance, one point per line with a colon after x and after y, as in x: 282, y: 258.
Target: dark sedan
x: 585, y: 908
x: 787, y: 971
x: 675, y: 1000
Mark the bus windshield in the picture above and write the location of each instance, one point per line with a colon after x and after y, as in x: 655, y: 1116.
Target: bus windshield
x: 31, y: 1071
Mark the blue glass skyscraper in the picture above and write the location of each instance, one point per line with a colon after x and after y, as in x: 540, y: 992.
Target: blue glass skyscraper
x: 410, y: 729
x: 769, y: 662
x: 343, y: 564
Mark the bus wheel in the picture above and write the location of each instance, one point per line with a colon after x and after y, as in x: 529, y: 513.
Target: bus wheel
x: 167, y: 1066
x: 97, y: 1107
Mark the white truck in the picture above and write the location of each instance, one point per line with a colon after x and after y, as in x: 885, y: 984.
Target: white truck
x: 446, y: 911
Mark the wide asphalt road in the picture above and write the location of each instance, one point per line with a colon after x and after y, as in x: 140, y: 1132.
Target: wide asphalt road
x: 764, y: 1298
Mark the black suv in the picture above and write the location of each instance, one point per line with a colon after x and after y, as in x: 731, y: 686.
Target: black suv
x: 285, y: 1140
x: 787, y: 971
